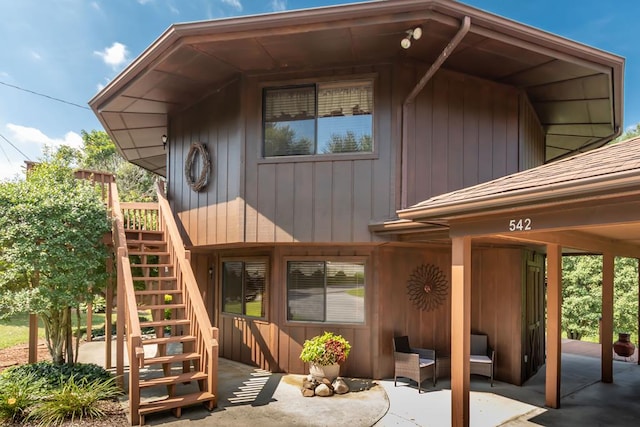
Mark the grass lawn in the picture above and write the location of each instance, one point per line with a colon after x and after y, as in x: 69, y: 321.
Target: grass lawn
x: 15, y: 330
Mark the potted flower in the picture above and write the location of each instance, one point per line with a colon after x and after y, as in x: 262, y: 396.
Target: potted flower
x: 325, y: 353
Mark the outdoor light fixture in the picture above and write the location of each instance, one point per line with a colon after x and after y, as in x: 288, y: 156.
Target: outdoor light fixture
x: 414, y: 33
x: 164, y: 142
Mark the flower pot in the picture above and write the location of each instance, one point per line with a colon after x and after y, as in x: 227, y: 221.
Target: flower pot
x: 330, y: 372
x: 624, y: 347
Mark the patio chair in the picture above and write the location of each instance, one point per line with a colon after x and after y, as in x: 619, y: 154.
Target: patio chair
x: 417, y: 364
x: 482, y: 357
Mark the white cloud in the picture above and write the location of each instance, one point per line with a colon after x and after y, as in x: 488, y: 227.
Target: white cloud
x: 31, y: 136
x: 116, y: 55
x: 35, y: 55
x: 278, y: 5
x: 233, y: 3
x: 31, y: 142
x: 143, y: 2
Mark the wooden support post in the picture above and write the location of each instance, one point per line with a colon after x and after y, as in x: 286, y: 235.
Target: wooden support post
x: 120, y: 320
x: 108, y: 317
x: 607, y: 318
x: 33, y: 338
x: 460, y: 329
x: 554, y: 325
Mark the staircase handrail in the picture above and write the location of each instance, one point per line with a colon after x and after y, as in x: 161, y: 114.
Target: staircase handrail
x: 127, y: 306
x: 171, y: 228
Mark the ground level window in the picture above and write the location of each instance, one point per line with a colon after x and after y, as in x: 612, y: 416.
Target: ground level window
x: 325, y: 291
x: 243, y: 287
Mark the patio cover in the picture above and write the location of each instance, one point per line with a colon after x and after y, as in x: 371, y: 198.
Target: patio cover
x: 589, y: 203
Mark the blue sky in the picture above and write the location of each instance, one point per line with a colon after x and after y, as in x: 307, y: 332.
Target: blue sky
x: 69, y: 49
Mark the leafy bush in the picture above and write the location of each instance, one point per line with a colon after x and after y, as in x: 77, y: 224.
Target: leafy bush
x: 75, y: 400
x: 54, y: 376
x: 325, y: 349
x: 17, y: 394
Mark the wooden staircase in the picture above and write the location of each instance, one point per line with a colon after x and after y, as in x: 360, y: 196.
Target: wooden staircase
x: 158, y: 296
x: 171, y: 345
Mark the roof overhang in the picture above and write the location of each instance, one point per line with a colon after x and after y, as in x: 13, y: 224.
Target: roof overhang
x: 576, y: 90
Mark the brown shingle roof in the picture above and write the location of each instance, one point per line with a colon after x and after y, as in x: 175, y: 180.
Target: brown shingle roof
x: 609, y: 163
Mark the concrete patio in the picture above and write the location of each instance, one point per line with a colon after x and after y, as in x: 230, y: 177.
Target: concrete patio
x: 249, y: 396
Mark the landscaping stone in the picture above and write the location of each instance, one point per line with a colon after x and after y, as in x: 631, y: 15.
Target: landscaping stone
x: 323, y: 390
x: 340, y: 386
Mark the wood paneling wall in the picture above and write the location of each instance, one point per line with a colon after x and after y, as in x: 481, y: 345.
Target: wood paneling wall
x: 462, y: 131
x: 321, y: 198
x: 275, y: 344
x: 496, y: 306
x: 532, y: 138
x: 216, y: 214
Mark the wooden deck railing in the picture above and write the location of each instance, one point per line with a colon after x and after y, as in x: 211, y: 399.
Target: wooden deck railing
x: 140, y: 216
x: 206, y: 343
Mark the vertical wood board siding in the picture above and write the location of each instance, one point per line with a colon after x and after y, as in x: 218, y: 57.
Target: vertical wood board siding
x: 532, y: 138
x: 213, y: 215
x: 466, y: 132
x: 275, y: 344
x: 315, y: 199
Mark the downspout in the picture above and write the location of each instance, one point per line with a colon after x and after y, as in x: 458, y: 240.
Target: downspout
x: 455, y: 41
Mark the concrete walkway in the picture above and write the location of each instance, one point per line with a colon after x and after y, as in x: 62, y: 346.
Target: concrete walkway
x: 249, y: 396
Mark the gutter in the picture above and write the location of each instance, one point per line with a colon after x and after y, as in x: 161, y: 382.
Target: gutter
x: 446, y: 52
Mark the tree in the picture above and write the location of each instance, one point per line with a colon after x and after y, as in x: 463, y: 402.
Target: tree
x: 582, y: 295
x: 628, y: 134
x: 52, y: 255
x: 282, y: 140
x: 99, y: 153
x: 348, y: 143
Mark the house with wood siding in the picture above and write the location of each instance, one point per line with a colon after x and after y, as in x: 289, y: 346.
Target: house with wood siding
x: 296, y: 146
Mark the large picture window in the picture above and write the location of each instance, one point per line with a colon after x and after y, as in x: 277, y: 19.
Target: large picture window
x: 323, y: 118
x: 326, y: 291
x: 244, y: 287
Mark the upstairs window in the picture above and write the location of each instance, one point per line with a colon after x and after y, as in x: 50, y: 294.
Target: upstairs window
x: 318, y: 119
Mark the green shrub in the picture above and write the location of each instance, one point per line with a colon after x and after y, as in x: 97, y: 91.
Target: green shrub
x: 75, y: 400
x: 18, y: 393
x: 54, y: 375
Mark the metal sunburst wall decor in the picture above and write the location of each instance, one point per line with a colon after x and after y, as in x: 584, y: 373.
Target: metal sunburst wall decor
x: 427, y: 287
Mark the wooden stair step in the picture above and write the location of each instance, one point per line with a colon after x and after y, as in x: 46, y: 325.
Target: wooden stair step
x: 158, y: 292
x: 172, y: 358
x: 160, y: 306
x: 163, y: 323
x: 149, y: 253
x: 152, y: 265
x: 168, y: 340
x: 155, y: 278
x: 147, y: 242
x: 173, y: 379
x: 174, y: 402
x: 131, y: 231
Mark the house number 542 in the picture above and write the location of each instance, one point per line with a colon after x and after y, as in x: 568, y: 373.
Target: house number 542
x: 521, y: 224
